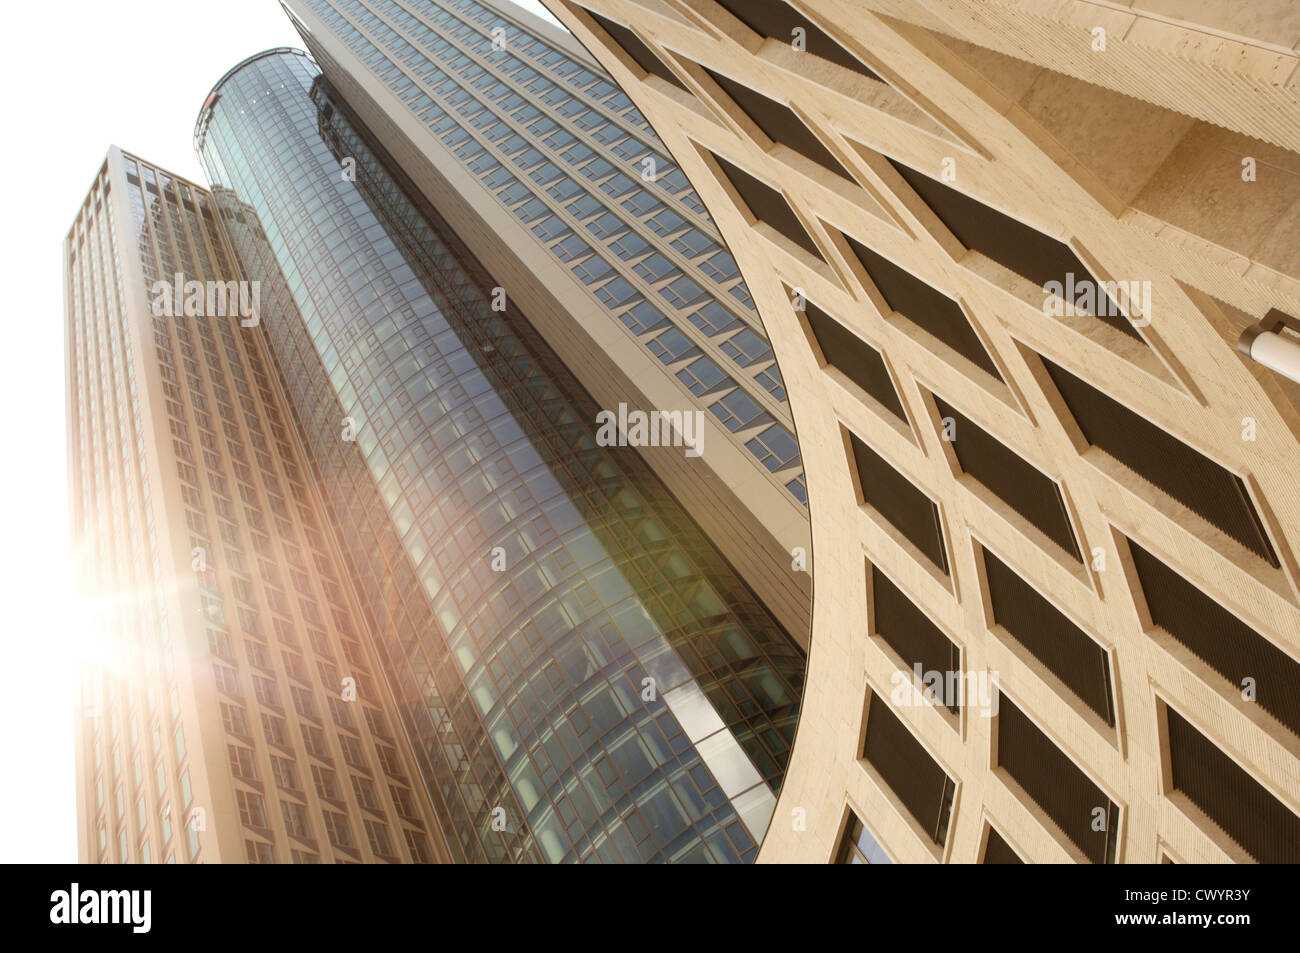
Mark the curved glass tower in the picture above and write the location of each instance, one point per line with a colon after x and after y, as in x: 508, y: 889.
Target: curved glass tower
x: 581, y: 674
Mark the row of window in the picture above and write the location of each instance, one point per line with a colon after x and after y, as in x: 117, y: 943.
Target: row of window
x: 775, y: 446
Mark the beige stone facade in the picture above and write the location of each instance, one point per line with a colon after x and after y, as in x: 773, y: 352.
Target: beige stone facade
x: 234, y: 710
x: 1096, y: 514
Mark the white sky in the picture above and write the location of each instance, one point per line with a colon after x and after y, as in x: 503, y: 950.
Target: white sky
x: 132, y: 73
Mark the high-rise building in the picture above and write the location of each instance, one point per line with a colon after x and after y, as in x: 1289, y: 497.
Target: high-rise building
x: 554, y: 181
x: 236, y: 711
x: 581, y: 673
x: 1005, y: 252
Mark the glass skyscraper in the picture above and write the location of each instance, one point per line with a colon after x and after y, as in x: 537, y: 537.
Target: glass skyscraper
x: 581, y: 673
x: 557, y: 184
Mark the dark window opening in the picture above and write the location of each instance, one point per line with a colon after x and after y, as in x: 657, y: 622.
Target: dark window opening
x: 1024, y: 488
x: 854, y: 358
x: 638, y: 51
x: 778, y: 20
x: 1010, y: 242
x: 998, y: 851
x: 1064, y: 648
x: 1219, y: 639
x: 768, y: 205
x: 900, y: 502
x: 780, y: 124
x: 926, y: 307
x: 1207, y: 489
x: 909, y: 632
x: 1242, y: 808
x: 1056, y: 784
x: 908, y: 770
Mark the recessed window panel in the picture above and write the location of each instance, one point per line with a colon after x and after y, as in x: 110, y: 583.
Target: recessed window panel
x: 909, y: 632
x: 854, y: 358
x: 779, y: 123
x: 769, y: 206
x: 1069, y: 797
x: 1203, y: 486
x: 858, y: 846
x: 1063, y: 648
x: 1008, y: 241
x: 908, y: 770
x: 775, y: 448
x: 1239, y: 805
x: 778, y: 20
x: 998, y: 851
x: 1221, y: 640
x: 925, y: 306
x: 1023, y: 487
x: 638, y: 51
x: 901, y: 502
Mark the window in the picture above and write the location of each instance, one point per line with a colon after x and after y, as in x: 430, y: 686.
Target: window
x: 365, y: 791
x: 338, y: 829
x: 1024, y: 488
x: 1219, y: 639
x: 998, y: 851
x: 682, y: 293
x: 746, y: 347
x: 642, y: 318
x: 908, y: 509
x: 295, y: 819
x: 667, y: 222
x: 1008, y: 241
x: 777, y: 19
x: 1063, y: 648
x: 327, y: 785
x: 910, y: 633
x: 233, y: 719
x: 1203, y: 486
x: 377, y: 834
x: 713, y: 319
x: 928, y: 308
x: 770, y: 380
x: 655, y: 268
x: 1242, y: 808
x: 259, y: 852
x: 857, y: 846
x: 854, y: 358
x: 908, y: 770
x: 768, y: 206
x: 617, y: 293
x: 738, y: 411
x: 641, y: 54
x: 273, y: 726
x: 775, y: 448
x: 703, y: 375
x: 1057, y: 785
x: 720, y: 267
x: 779, y: 123
x: 242, y: 764
x: 252, y: 809
x: 672, y: 346
x: 284, y: 773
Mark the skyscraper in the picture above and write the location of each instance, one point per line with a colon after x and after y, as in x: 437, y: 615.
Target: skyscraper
x: 557, y: 185
x: 1004, y: 253
x: 582, y: 675
x: 237, y: 711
